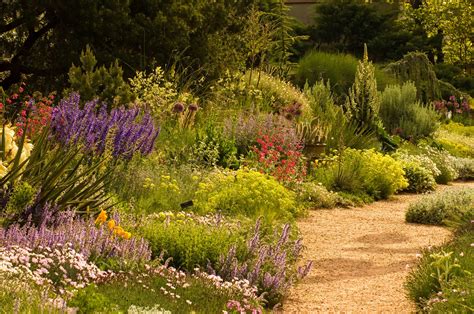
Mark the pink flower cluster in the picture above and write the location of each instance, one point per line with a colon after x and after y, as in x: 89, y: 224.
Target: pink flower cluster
x: 452, y: 105
x: 60, y: 266
x: 240, y: 288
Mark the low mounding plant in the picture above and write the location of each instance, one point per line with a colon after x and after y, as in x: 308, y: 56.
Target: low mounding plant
x: 420, y: 171
x: 245, y: 192
x: 465, y: 168
x: 314, y: 195
x: 420, y: 179
x: 403, y: 115
x: 363, y: 171
x: 190, y: 241
x: 282, y: 96
x: 269, y: 264
x: 441, y: 208
x: 457, y: 139
x: 444, y: 162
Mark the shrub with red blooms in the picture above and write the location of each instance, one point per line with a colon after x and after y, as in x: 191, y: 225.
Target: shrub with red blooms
x: 282, y: 159
x: 27, y: 111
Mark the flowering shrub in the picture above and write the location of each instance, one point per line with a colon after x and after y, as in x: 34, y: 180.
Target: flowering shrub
x: 161, y: 287
x: 19, y: 294
x: 59, y: 266
x: 363, y: 171
x: 27, y: 111
x: 245, y: 192
x: 246, y: 129
x: 92, y: 242
x: 269, y: 265
x: 452, y: 106
x: 420, y: 179
x: 122, y: 129
x: 282, y: 160
x: 420, y: 171
x: 444, y: 162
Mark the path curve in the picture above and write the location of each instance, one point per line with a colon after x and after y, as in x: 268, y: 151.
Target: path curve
x: 361, y: 257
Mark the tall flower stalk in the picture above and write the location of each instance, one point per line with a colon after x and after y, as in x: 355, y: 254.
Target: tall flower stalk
x: 122, y: 131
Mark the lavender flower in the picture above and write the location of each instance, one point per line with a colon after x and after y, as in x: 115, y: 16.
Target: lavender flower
x: 91, y: 241
x: 269, y: 266
x: 128, y: 130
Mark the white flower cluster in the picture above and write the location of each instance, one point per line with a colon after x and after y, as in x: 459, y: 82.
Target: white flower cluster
x: 60, y: 266
x: 236, y: 286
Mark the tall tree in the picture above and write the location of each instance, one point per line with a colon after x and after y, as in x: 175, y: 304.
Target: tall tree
x: 43, y: 38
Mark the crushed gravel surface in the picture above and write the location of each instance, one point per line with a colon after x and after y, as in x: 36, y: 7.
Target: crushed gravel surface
x: 362, y: 257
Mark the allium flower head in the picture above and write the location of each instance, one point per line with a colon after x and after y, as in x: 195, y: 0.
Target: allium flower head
x: 193, y: 107
x: 178, y: 107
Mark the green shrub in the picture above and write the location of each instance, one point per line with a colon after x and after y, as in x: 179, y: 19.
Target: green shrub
x: 420, y: 179
x: 279, y: 93
x: 365, y: 171
x: 213, y: 149
x: 89, y: 300
x: 106, y: 84
x: 420, y: 171
x: 188, y: 242
x: 315, y: 195
x: 20, y: 199
x: 465, y: 168
x: 439, y: 208
x: 261, y: 92
x: 444, y: 162
x: 157, y: 92
x: 245, y: 192
x: 402, y: 115
x: 338, y: 69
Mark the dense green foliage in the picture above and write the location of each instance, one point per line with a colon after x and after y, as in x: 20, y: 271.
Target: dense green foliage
x: 248, y: 193
x: 403, y: 115
x: 187, y: 242
x: 440, y: 209
x: 369, y: 172
x: 338, y: 69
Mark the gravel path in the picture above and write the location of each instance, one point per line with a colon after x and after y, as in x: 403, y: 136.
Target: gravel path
x: 361, y: 257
